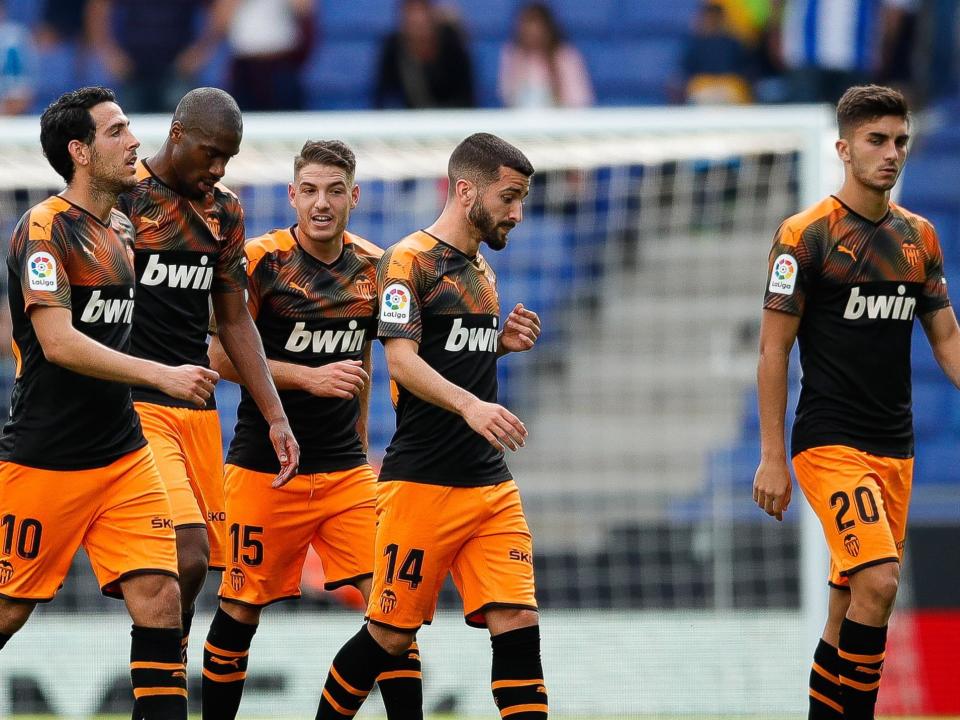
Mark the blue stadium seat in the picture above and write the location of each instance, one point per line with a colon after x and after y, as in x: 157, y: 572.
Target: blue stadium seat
x: 930, y: 409
x: 58, y: 75
x: 930, y: 180
x: 632, y: 72
x: 925, y: 368
x: 356, y: 19
x: 228, y: 399
x: 938, y: 463
x: 24, y: 11
x: 658, y: 18
x: 340, y: 75
x: 488, y: 20
x: 582, y: 20
x: 486, y: 67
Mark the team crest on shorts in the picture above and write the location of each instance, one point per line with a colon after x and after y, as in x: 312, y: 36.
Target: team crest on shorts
x: 388, y: 601
x: 852, y: 543
x: 237, y: 579
x: 6, y: 571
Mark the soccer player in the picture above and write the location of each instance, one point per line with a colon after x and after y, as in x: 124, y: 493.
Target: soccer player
x: 446, y: 500
x: 847, y: 277
x: 189, y: 252
x: 312, y: 292
x: 74, y: 466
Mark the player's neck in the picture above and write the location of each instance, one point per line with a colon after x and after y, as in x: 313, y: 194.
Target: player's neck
x: 867, y: 202
x: 452, y: 230
x: 87, y: 195
x: 326, y: 252
x: 161, y: 166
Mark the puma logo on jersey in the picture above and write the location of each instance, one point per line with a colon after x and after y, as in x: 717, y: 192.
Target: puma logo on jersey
x: 300, y: 288
x: 471, y: 339
x: 326, y: 341
x: 109, y: 311
x: 150, y: 221
x: 195, y: 277
x: 882, y: 307
x: 846, y: 251
x: 38, y: 225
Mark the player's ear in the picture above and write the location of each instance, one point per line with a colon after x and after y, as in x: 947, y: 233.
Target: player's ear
x: 843, y: 149
x: 354, y: 197
x: 465, y: 191
x: 79, y: 151
x: 291, y: 194
x: 176, y: 131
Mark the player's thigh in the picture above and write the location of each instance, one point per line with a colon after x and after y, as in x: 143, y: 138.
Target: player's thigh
x: 202, y: 449
x: 132, y: 534
x: 420, y: 528
x: 844, y: 487
x: 268, y: 532
x: 345, y: 538
x: 45, y: 516
x: 494, y: 569
x: 163, y: 428
x: 896, y: 489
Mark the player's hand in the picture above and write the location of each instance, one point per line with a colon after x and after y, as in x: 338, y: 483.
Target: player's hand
x: 772, y: 488
x: 499, y: 426
x: 188, y: 382
x: 521, y: 330
x: 287, y: 450
x: 344, y: 379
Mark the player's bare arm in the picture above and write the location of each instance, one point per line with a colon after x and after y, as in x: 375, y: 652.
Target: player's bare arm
x: 772, y: 486
x: 67, y: 347
x: 520, y: 331
x: 241, y: 342
x: 343, y: 379
x: 944, y: 337
x: 364, y: 396
x: 499, y: 426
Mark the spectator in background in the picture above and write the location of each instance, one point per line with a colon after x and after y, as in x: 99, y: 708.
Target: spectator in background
x: 715, y: 64
x: 539, y: 68
x: 142, y: 44
x: 17, y: 66
x: 61, y: 21
x: 269, y: 41
x: 424, y: 63
x: 897, y: 44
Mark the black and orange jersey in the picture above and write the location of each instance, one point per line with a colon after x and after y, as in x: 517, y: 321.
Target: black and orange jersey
x: 185, y: 250
x: 857, y: 286
x: 447, y: 302
x: 308, y: 313
x: 62, y: 256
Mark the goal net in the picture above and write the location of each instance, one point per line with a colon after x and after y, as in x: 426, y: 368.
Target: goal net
x: 644, y: 244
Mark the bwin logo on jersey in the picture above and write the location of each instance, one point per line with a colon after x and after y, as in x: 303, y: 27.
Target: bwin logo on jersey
x: 178, y: 276
x: 883, y: 307
x: 108, y: 311
x: 473, y: 339
x: 326, y: 341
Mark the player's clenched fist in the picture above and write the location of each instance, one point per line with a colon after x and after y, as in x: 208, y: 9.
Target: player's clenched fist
x: 192, y: 383
x: 772, y: 488
x: 343, y: 379
x: 499, y: 426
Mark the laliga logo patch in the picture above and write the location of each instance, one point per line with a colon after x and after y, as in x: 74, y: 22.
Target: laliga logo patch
x: 395, y: 306
x: 784, y: 276
x: 43, y: 272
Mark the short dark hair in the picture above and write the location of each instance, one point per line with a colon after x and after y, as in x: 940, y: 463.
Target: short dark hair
x: 863, y: 103
x: 68, y: 118
x: 210, y: 108
x: 326, y: 152
x: 480, y: 157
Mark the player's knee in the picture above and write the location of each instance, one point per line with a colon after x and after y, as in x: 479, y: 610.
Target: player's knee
x: 878, y: 590
x: 153, y: 600
x: 193, y: 560
x: 501, y: 620
x: 246, y: 614
x: 393, y: 641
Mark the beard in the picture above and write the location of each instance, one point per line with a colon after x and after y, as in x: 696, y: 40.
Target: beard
x: 487, y: 228
x: 107, y: 180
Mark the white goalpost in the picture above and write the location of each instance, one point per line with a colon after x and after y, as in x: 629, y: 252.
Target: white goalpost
x: 644, y: 245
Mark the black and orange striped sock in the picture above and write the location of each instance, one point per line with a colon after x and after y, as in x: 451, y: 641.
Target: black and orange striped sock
x: 517, y: 676
x: 861, y: 652
x: 401, y: 686
x: 352, y: 675
x: 225, y: 655
x: 186, y: 622
x: 825, y: 684
x: 159, y: 678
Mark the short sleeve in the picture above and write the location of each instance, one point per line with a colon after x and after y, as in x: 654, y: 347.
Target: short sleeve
x: 255, y: 269
x: 791, y: 271
x: 229, y: 275
x: 399, y: 297
x: 42, y: 255
x: 934, y: 294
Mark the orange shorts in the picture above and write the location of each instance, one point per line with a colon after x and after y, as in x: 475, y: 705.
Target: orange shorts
x: 271, y: 529
x: 862, y: 502
x: 119, y: 514
x: 425, y: 531
x: 187, y: 447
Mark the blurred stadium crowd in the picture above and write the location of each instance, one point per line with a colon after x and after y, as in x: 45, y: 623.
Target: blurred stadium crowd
x: 335, y: 54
